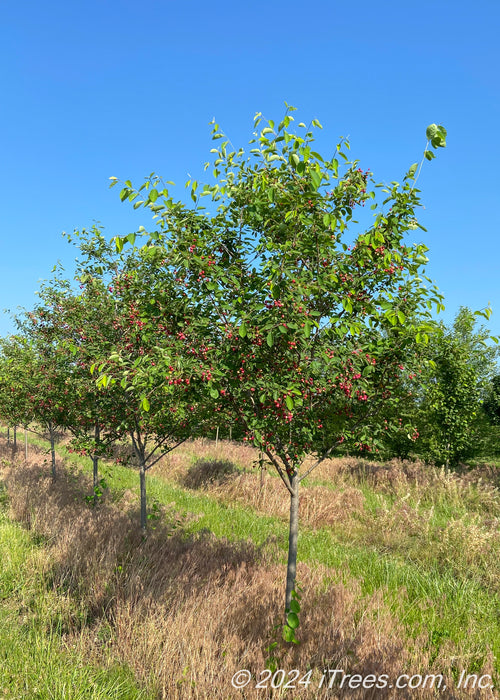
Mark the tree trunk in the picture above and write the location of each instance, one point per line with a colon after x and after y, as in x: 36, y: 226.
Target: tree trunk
x: 52, y: 450
x: 140, y: 453
x: 144, y: 518
x: 95, y: 477
x: 293, y: 532
x: 15, y: 437
x: 26, y: 444
x: 95, y: 464
x: 8, y: 435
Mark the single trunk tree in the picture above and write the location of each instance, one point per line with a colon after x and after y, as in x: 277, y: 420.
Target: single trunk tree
x: 297, y: 325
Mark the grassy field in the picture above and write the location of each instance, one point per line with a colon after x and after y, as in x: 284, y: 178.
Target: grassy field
x: 399, y: 569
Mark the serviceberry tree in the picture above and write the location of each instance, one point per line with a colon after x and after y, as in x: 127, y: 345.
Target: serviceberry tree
x: 299, y: 322
x: 36, y: 371
x: 14, y: 403
x: 81, y: 323
x: 146, y: 367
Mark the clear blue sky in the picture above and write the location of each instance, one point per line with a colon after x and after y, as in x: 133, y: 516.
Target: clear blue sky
x: 99, y: 88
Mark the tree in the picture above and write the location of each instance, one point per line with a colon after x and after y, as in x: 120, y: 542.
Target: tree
x: 299, y: 326
x: 35, y: 373
x: 146, y: 366
x: 492, y: 400
x: 81, y: 326
x: 459, y: 370
x: 14, y: 406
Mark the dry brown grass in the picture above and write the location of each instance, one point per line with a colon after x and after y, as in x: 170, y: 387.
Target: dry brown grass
x: 185, y: 613
x: 474, y: 488
x: 479, y: 485
x: 231, y: 474
x: 318, y: 506
x: 414, y: 500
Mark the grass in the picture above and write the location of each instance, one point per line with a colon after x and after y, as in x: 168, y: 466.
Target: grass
x: 403, y: 547
x: 33, y: 661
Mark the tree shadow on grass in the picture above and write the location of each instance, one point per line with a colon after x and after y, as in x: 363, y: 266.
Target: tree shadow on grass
x: 208, y: 472
x: 99, y: 555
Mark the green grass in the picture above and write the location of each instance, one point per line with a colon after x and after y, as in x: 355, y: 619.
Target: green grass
x: 427, y: 597
x: 34, y: 665
x: 426, y: 594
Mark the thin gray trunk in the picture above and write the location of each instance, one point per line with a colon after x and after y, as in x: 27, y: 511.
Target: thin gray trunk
x: 95, y: 478
x: 15, y: 437
x: 95, y: 464
x: 26, y: 444
x: 52, y: 450
x: 293, y: 533
x: 8, y: 435
x: 142, y: 472
x: 140, y: 453
x: 217, y: 437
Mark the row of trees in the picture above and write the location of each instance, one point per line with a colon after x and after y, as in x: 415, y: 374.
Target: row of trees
x: 267, y: 311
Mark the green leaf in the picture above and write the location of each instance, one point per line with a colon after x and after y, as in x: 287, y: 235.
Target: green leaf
x: 103, y: 381
x: 214, y: 393
x: 145, y: 404
x: 270, y: 339
x: 307, y: 329
x: 153, y: 195
x: 347, y: 304
x: 429, y: 155
x: 292, y: 620
x: 295, y: 606
x: 289, y: 403
x: 242, y: 330
x: 316, y: 179
x: 288, y: 634
x: 431, y: 131
x: 438, y: 141
x: 131, y: 238
x: 412, y: 170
